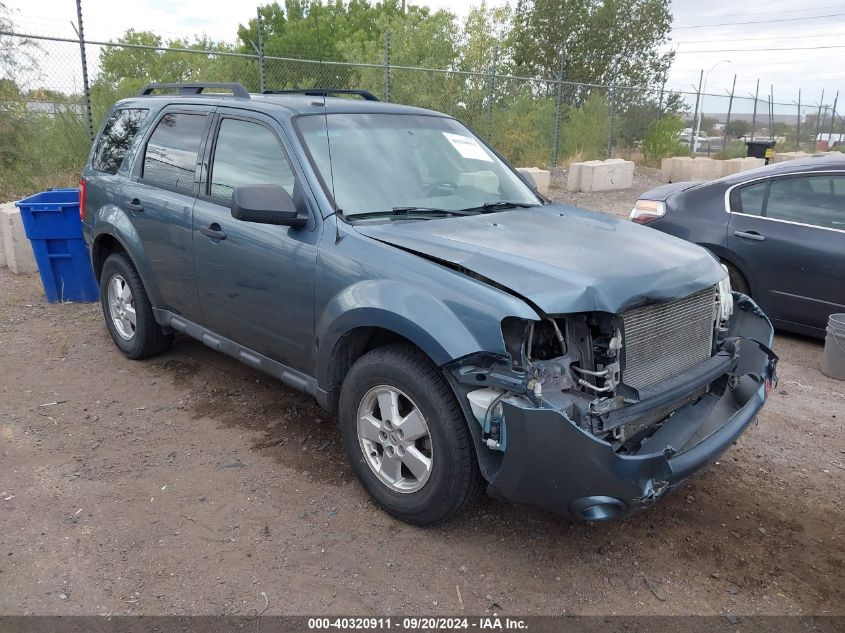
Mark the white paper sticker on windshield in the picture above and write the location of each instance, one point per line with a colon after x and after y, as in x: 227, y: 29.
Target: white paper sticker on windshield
x: 467, y: 147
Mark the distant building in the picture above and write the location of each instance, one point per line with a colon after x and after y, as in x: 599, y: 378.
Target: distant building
x: 833, y: 141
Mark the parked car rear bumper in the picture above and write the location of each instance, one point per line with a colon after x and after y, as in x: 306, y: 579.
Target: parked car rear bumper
x: 552, y: 463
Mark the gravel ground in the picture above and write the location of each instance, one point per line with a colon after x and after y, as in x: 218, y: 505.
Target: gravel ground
x: 190, y: 484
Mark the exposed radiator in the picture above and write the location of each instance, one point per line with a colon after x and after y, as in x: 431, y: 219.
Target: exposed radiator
x: 663, y: 340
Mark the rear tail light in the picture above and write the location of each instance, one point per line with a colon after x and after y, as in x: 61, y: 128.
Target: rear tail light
x: 646, y: 211
x: 82, y: 187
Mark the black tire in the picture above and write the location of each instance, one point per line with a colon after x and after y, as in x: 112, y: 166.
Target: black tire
x: 738, y: 281
x: 148, y: 338
x: 454, y: 482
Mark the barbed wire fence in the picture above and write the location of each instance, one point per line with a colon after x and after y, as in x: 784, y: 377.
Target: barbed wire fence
x: 532, y: 120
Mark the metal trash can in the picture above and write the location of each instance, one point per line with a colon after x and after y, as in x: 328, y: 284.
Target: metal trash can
x: 760, y: 149
x: 53, y: 226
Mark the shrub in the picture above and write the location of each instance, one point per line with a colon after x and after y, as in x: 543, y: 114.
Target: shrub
x: 661, y: 140
x: 584, y: 133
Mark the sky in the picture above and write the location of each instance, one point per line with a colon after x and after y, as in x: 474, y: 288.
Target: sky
x: 704, y: 34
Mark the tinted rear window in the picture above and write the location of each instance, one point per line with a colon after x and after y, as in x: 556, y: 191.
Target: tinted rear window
x: 171, y: 156
x: 751, y: 199
x: 117, y: 136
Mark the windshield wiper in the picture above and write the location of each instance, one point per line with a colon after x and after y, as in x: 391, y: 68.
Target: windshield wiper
x: 407, y: 211
x: 499, y: 205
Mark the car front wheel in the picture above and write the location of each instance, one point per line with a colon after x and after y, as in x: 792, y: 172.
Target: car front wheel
x: 406, y: 436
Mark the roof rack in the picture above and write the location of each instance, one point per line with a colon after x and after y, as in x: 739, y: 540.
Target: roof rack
x: 195, y: 88
x: 324, y: 92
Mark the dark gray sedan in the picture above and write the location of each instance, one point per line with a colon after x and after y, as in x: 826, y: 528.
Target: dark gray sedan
x: 779, y: 230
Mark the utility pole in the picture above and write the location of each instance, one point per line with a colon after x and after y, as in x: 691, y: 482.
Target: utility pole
x: 832, y: 119
x: 693, y: 141
x: 771, y: 112
x: 798, y: 124
x: 728, y: 119
x: 703, y: 95
x: 754, y: 116
x: 818, y: 121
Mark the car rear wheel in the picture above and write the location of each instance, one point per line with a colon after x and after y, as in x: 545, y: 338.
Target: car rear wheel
x: 738, y: 281
x: 127, y: 310
x: 406, y: 436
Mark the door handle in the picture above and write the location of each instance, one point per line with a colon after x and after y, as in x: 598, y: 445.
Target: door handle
x: 134, y: 205
x: 213, y: 232
x: 750, y: 235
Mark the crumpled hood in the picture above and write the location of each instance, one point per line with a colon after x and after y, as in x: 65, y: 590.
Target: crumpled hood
x: 562, y: 259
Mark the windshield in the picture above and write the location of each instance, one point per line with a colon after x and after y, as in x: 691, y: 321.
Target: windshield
x: 381, y: 163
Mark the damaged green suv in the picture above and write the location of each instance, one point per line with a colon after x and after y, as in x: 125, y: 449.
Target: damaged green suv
x: 467, y: 333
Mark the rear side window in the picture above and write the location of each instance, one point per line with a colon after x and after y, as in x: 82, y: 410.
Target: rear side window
x: 117, y: 136
x: 750, y: 199
x: 171, y: 155
x: 807, y: 200
x: 247, y: 154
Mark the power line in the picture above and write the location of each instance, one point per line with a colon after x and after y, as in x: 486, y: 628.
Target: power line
x: 771, y: 37
x: 730, y: 15
x: 754, y: 50
x: 815, y: 17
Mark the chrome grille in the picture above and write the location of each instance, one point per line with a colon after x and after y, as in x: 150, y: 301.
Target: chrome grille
x: 663, y: 340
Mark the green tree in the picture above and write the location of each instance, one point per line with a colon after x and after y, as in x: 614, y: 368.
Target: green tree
x: 124, y: 69
x: 738, y: 128
x: 310, y: 29
x: 599, y: 40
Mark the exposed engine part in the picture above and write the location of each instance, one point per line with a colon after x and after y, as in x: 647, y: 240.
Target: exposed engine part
x: 486, y: 407
x: 576, y: 364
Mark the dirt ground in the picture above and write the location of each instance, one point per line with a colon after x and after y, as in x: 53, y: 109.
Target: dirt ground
x: 191, y: 484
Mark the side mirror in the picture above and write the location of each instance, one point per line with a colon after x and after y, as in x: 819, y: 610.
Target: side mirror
x: 266, y: 204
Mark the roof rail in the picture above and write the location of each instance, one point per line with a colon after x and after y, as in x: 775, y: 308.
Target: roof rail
x: 195, y: 88
x: 324, y: 92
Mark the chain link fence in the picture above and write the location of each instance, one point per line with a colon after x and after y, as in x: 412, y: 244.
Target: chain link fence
x: 533, y: 121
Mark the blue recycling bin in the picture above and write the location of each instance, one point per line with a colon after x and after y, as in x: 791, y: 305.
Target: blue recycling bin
x: 52, y: 224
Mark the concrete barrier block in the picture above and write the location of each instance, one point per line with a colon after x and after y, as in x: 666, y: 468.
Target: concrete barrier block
x: 588, y: 172
x: 749, y: 162
x: 601, y: 175
x: 705, y: 169
x: 17, y: 249
x: 781, y: 157
x: 731, y: 167
x: 542, y: 177
x: 666, y: 169
x: 573, y: 177
x: 673, y: 168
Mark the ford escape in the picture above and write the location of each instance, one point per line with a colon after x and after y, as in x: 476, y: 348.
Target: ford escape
x: 467, y: 333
